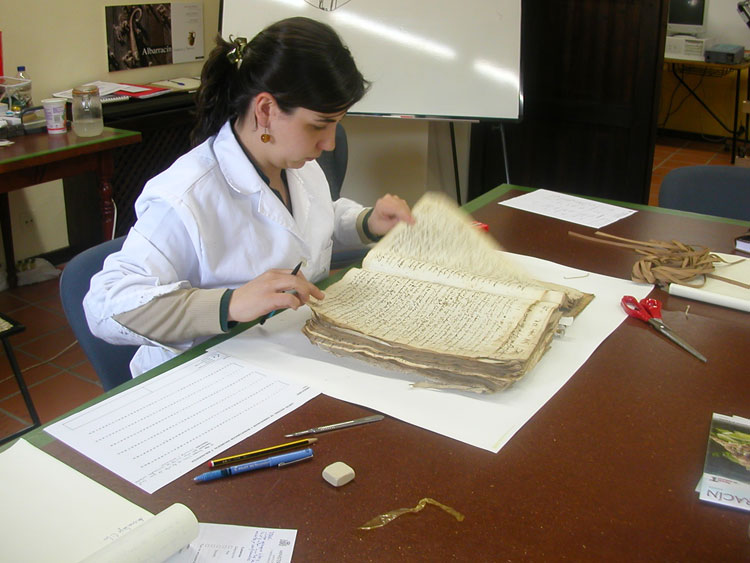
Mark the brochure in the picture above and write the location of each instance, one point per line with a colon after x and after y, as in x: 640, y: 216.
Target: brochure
x: 726, y: 472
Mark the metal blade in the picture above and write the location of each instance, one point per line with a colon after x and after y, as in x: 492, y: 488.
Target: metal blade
x: 666, y: 331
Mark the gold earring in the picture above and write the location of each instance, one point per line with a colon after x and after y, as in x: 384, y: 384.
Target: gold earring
x: 265, y: 137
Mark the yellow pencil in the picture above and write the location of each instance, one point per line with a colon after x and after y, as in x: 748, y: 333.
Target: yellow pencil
x: 258, y: 453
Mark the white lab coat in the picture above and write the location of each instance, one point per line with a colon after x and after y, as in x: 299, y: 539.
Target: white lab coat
x: 209, y: 221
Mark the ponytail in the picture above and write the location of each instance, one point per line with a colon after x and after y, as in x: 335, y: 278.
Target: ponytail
x: 301, y: 62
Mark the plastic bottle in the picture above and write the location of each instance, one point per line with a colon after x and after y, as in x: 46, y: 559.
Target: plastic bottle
x: 22, y: 94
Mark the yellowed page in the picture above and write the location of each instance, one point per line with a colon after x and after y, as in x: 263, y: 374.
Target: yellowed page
x: 435, y: 317
x: 443, y: 247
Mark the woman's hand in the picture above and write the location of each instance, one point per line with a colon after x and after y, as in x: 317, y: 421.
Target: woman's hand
x: 274, y: 289
x: 388, y: 211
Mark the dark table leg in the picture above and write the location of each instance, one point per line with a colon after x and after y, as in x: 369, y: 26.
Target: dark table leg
x: 7, y: 232
x: 104, y: 174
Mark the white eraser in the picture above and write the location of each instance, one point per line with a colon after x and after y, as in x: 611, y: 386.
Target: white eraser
x: 338, y: 474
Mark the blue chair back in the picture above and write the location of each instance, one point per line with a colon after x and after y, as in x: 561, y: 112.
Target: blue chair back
x: 111, y: 362
x: 334, y: 165
x: 723, y: 191
x: 334, y: 162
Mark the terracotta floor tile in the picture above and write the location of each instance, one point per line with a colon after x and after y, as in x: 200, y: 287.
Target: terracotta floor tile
x: 8, y: 385
x: 53, y: 397
x: 9, y: 425
x: 9, y: 303
x: 50, y: 344
x: 86, y: 371
x: 22, y: 358
x: 37, y: 321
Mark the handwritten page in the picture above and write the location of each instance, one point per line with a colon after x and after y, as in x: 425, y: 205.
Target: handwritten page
x: 486, y: 421
x: 570, y: 208
x: 155, y: 432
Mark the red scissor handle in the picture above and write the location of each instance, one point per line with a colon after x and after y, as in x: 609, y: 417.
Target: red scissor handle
x: 653, y: 306
x: 635, y: 309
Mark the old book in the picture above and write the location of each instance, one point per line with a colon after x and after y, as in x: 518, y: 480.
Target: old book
x: 438, y: 299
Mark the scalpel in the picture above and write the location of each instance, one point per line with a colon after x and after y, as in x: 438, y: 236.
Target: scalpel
x: 348, y: 423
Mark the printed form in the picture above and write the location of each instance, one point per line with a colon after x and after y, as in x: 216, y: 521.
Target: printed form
x: 569, y: 208
x: 155, y: 432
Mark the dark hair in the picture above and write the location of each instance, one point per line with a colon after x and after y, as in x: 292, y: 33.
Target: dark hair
x: 301, y: 62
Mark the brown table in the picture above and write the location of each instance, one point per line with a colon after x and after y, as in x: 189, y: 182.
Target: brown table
x: 605, y: 471
x: 34, y: 159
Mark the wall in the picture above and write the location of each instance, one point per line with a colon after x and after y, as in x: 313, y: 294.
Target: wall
x: 63, y: 44
x: 725, y: 25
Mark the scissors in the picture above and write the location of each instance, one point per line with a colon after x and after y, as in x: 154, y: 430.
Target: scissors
x: 649, y: 311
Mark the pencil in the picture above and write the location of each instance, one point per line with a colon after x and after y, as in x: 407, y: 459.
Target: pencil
x: 222, y: 461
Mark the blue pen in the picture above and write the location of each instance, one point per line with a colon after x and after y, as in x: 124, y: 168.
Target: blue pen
x: 273, y: 461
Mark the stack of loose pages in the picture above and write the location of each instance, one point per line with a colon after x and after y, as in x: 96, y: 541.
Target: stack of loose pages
x: 438, y: 299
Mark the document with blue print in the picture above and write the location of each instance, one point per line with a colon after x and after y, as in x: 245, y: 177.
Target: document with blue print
x: 155, y: 432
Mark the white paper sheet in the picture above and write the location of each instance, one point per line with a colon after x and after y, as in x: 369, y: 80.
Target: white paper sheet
x: 484, y: 421
x: 155, y: 432
x: 51, y: 512
x: 578, y: 210
x: 219, y: 543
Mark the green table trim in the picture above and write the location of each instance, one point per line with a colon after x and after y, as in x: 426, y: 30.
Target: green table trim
x: 85, y: 141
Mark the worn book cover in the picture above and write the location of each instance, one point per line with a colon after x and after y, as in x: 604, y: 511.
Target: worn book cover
x: 438, y: 299
x: 726, y: 472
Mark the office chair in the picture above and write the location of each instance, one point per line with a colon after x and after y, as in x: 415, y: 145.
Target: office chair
x: 723, y: 191
x: 111, y: 362
x: 334, y: 165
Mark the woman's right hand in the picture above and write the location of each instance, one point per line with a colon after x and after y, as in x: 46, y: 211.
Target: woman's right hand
x: 274, y: 289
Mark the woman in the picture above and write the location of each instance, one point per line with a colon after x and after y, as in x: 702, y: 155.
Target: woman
x: 219, y: 231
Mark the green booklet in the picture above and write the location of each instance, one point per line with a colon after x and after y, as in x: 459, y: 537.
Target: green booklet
x: 726, y: 472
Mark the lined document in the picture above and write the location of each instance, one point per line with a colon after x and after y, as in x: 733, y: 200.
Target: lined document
x: 155, y: 432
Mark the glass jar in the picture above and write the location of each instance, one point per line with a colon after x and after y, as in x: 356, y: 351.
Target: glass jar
x: 87, y: 111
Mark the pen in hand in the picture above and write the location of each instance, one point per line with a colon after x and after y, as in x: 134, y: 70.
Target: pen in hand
x: 267, y: 316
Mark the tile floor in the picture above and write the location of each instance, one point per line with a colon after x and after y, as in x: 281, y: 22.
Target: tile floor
x: 68, y: 380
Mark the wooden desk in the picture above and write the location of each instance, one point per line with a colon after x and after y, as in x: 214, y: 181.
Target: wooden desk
x: 38, y: 158
x: 605, y: 471
x: 714, y: 69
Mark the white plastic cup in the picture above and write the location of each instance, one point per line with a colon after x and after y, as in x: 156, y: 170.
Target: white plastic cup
x: 54, y: 113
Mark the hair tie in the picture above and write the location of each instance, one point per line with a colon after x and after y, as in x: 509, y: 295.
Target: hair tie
x: 236, y: 54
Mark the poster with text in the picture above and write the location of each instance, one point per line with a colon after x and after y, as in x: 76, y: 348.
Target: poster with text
x: 143, y: 35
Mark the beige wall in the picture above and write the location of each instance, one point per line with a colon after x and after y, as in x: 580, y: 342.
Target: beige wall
x: 63, y: 44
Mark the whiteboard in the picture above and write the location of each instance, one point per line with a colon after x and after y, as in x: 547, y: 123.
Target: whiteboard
x: 425, y: 58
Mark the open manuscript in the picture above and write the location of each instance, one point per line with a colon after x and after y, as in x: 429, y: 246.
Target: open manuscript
x: 438, y: 299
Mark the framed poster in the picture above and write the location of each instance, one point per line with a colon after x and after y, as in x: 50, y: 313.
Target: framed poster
x: 143, y: 35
